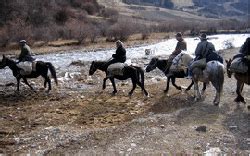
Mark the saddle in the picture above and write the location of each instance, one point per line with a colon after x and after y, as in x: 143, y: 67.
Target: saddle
x: 238, y: 65
x: 115, y: 69
x: 26, y: 67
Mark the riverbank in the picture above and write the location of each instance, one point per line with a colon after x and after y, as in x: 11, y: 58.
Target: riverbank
x: 62, y: 46
x: 73, y: 120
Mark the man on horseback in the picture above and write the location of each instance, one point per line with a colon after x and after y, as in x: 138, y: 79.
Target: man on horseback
x: 25, y: 59
x: 181, y: 45
x: 116, y: 64
x: 242, y: 60
x: 204, y: 53
x: 120, y: 54
x: 25, y: 54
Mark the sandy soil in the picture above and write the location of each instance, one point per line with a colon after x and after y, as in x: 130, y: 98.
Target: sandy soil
x: 91, y: 121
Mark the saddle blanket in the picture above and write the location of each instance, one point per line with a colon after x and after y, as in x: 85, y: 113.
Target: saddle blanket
x: 238, y: 66
x: 115, y: 69
x: 175, y: 68
x: 27, y: 67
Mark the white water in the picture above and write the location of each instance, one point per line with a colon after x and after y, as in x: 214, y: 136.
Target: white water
x: 62, y: 61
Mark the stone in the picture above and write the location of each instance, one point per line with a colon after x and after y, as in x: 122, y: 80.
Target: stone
x: 201, y: 129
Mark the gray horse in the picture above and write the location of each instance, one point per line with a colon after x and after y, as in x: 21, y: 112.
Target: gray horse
x: 213, y: 72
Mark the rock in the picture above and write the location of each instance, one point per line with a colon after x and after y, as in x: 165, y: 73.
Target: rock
x: 130, y: 149
x: 213, y: 151
x: 162, y: 126
x: 133, y: 145
x: 233, y: 127
x: 201, y: 129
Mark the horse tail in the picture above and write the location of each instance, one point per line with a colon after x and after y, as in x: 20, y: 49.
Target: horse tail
x: 218, y: 75
x: 140, y: 74
x: 52, y: 71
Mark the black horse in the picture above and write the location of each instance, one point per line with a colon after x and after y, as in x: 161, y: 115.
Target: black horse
x: 41, y: 70
x: 162, y: 65
x: 132, y: 72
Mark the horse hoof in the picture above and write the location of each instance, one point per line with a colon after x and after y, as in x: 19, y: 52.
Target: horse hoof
x: 216, y: 103
x: 240, y: 99
x: 130, y: 94
x: 165, y: 91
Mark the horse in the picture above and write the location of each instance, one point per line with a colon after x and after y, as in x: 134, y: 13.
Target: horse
x: 132, y: 72
x: 162, y: 65
x: 242, y: 78
x: 41, y: 69
x: 213, y: 72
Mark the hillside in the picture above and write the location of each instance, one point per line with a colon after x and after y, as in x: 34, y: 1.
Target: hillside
x: 237, y: 9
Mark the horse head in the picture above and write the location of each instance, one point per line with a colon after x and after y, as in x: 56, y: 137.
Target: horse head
x: 152, y: 64
x: 182, y: 59
x: 229, y: 73
x: 3, y: 63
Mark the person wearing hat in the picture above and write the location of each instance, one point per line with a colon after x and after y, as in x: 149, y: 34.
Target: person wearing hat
x: 25, y: 54
x: 120, y: 54
x: 203, y: 52
x: 181, y: 45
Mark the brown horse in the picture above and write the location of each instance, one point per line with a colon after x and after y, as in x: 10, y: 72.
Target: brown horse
x: 241, y: 80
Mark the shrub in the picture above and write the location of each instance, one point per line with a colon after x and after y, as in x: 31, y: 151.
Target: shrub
x: 61, y: 17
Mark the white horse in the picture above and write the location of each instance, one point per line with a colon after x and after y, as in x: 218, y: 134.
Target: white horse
x: 213, y: 72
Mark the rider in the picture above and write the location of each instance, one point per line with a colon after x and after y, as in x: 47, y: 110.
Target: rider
x: 25, y: 59
x: 245, y: 52
x: 25, y: 54
x: 120, y: 54
x: 203, y: 50
x: 181, y: 45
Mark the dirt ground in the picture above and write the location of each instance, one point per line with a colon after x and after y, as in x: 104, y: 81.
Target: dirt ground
x: 93, y: 122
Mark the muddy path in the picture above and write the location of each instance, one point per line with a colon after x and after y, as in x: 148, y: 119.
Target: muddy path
x: 82, y: 119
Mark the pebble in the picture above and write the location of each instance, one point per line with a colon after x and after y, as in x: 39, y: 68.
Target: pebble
x: 162, y: 126
x: 133, y: 145
x: 201, y: 129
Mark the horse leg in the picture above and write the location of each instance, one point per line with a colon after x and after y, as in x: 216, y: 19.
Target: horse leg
x: 18, y: 83
x: 239, y: 89
x: 167, y: 88
x: 204, y: 88
x: 134, y: 86
x: 45, y: 83
x: 197, y: 91
x: 189, y: 87
x: 142, y: 87
x: 217, y: 98
x: 173, y: 83
x: 104, y: 83
x: 26, y: 82
x: 49, y: 82
x: 113, y: 84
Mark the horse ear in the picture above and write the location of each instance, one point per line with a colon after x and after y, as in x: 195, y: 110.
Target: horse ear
x: 226, y: 61
x: 3, y: 56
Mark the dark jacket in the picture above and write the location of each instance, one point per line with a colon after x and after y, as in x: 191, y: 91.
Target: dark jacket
x: 245, y: 48
x: 203, y: 49
x: 181, y: 45
x: 25, y: 54
x: 120, y: 54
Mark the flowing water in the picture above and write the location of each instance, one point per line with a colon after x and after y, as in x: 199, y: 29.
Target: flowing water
x: 62, y: 61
